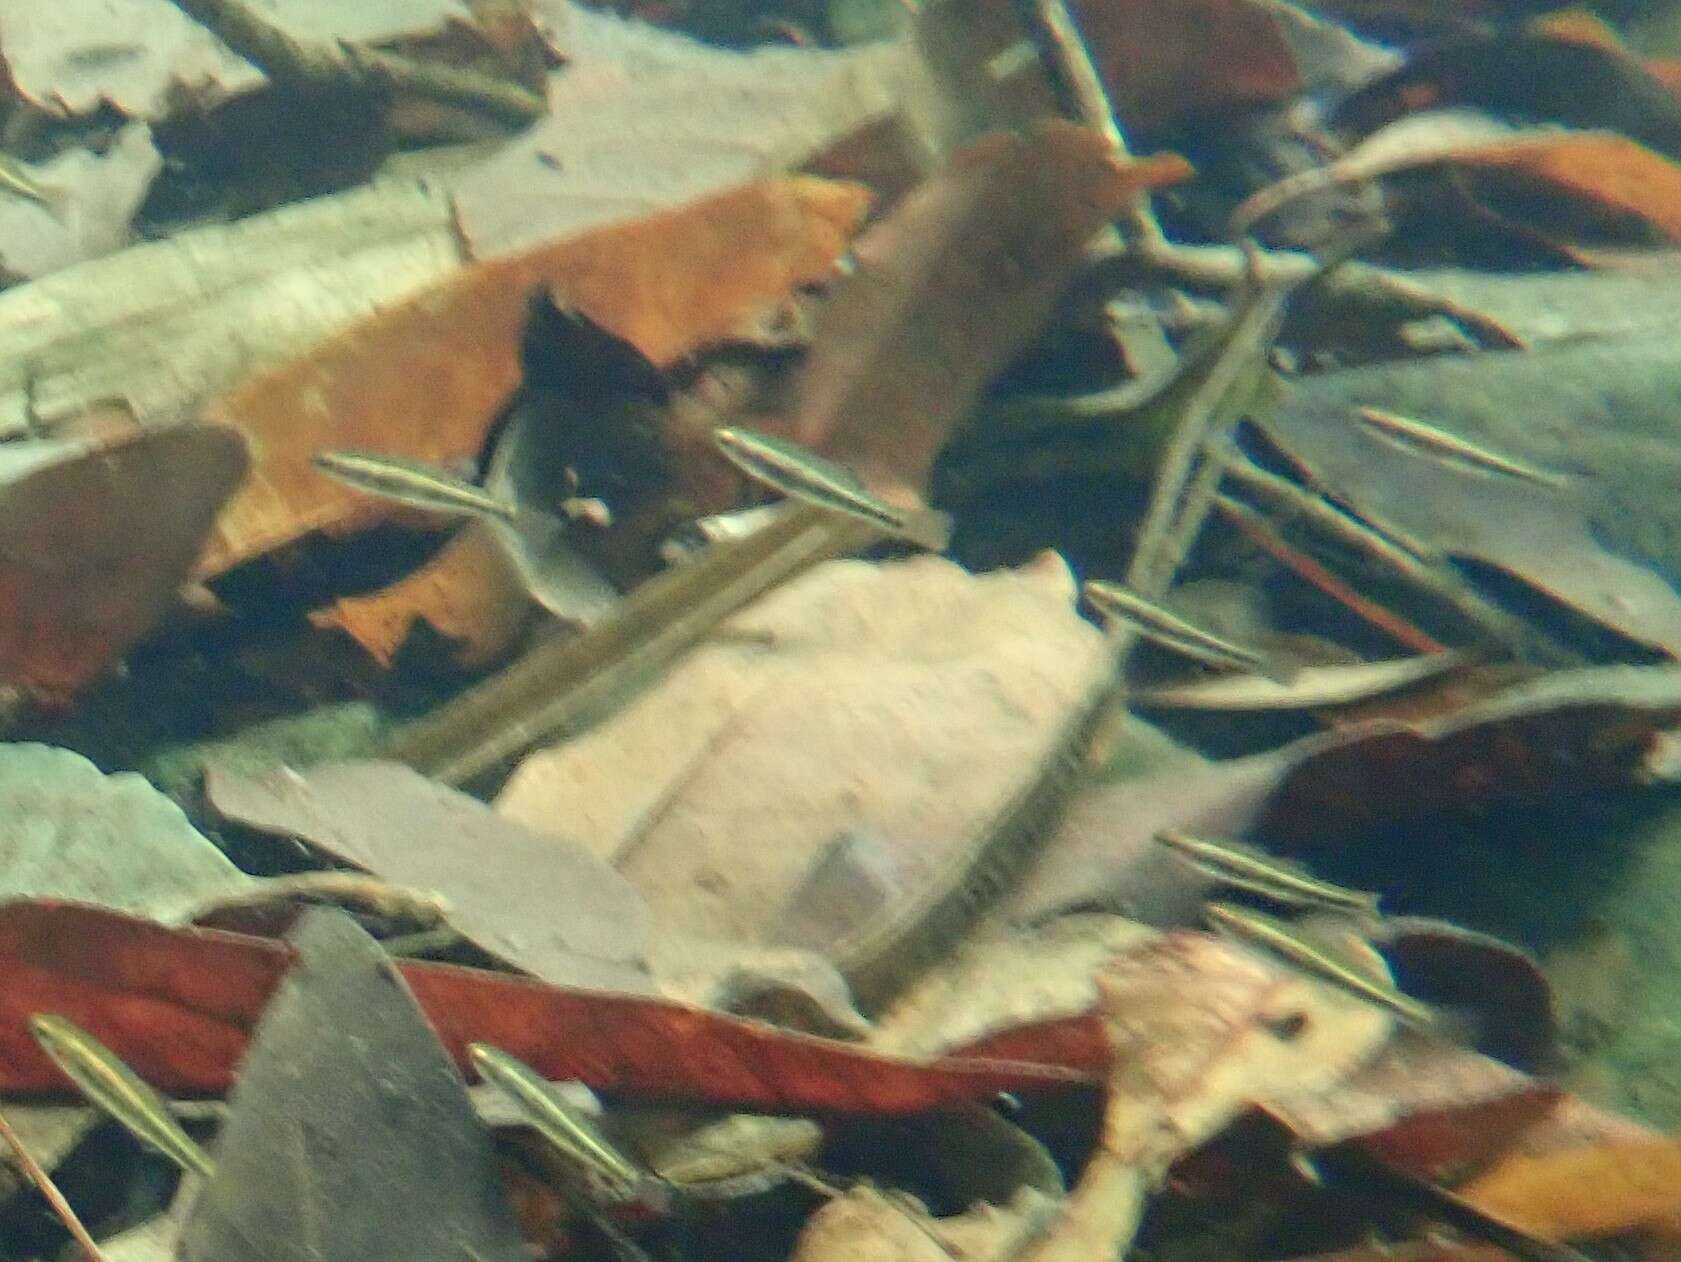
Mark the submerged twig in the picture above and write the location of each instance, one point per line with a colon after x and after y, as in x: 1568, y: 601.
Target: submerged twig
x: 1215, y: 405
x: 560, y: 685
x: 1064, y: 49
x: 1493, y: 625
x: 1261, y: 533
x: 49, y: 1190
x: 344, y: 65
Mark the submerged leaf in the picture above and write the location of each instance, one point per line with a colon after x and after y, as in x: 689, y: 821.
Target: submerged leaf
x: 910, y: 700
x: 1587, y: 1192
x: 540, y: 903
x: 424, y: 379
x: 69, y: 831
x: 178, y: 1006
x: 349, y: 1134
x: 94, y: 542
x: 949, y: 288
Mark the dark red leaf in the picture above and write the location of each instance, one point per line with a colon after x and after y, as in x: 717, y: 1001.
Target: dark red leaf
x: 179, y: 1004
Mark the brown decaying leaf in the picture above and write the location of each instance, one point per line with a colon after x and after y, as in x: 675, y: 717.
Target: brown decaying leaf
x: 1425, y: 1107
x: 1166, y: 62
x: 470, y: 593
x: 1560, y: 734
x: 949, y: 288
x: 424, y: 380
x: 1618, y: 177
x: 1584, y: 1193
x: 1544, y: 1163
x: 541, y: 904
x: 179, y: 1005
x: 94, y: 543
x: 908, y: 699
x: 1201, y: 1031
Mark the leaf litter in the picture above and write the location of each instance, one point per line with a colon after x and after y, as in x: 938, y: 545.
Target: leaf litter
x: 784, y: 821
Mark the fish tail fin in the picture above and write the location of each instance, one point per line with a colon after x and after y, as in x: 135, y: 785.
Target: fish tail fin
x: 928, y: 528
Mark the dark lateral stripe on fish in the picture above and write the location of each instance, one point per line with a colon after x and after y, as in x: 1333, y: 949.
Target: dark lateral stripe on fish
x: 412, y: 483
x: 1269, y: 875
x: 118, y: 1090
x: 1282, y: 939
x: 803, y: 474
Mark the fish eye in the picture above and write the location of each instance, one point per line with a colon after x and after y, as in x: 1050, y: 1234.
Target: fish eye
x: 1288, y: 1027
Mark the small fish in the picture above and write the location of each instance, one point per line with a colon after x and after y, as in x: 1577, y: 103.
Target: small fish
x: 1171, y: 631
x: 15, y: 179
x: 1245, y: 867
x: 1451, y: 445
x: 117, y: 1089
x: 413, y: 483
x: 563, y: 1126
x: 1328, y: 960
x: 805, y: 475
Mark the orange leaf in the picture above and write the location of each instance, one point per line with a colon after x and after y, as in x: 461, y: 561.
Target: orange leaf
x: 1584, y: 1192
x: 1167, y: 61
x: 470, y: 593
x: 425, y: 379
x: 1612, y: 172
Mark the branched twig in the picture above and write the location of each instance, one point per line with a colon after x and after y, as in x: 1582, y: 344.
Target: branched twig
x: 343, y: 65
x: 1207, y: 411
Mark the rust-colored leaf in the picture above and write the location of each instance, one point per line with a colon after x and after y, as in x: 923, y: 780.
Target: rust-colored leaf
x: 1620, y: 179
x: 424, y: 380
x: 179, y: 1005
x: 1585, y: 1192
x: 470, y: 593
x: 1168, y: 61
x: 949, y: 288
x: 94, y: 542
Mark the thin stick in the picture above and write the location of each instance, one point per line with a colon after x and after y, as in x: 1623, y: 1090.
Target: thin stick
x: 1494, y: 625
x: 1151, y: 571
x: 1263, y: 536
x: 344, y: 65
x: 1064, y: 49
x: 42, y: 1180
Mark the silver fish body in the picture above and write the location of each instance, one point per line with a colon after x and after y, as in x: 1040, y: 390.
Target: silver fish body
x: 1244, y: 867
x: 1435, y: 439
x: 1320, y: 958
x: 114, y: 1087
x: 572, y: 1133
x: 413, y: 483
x: 1168, y: 629
x: 803, y: 474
